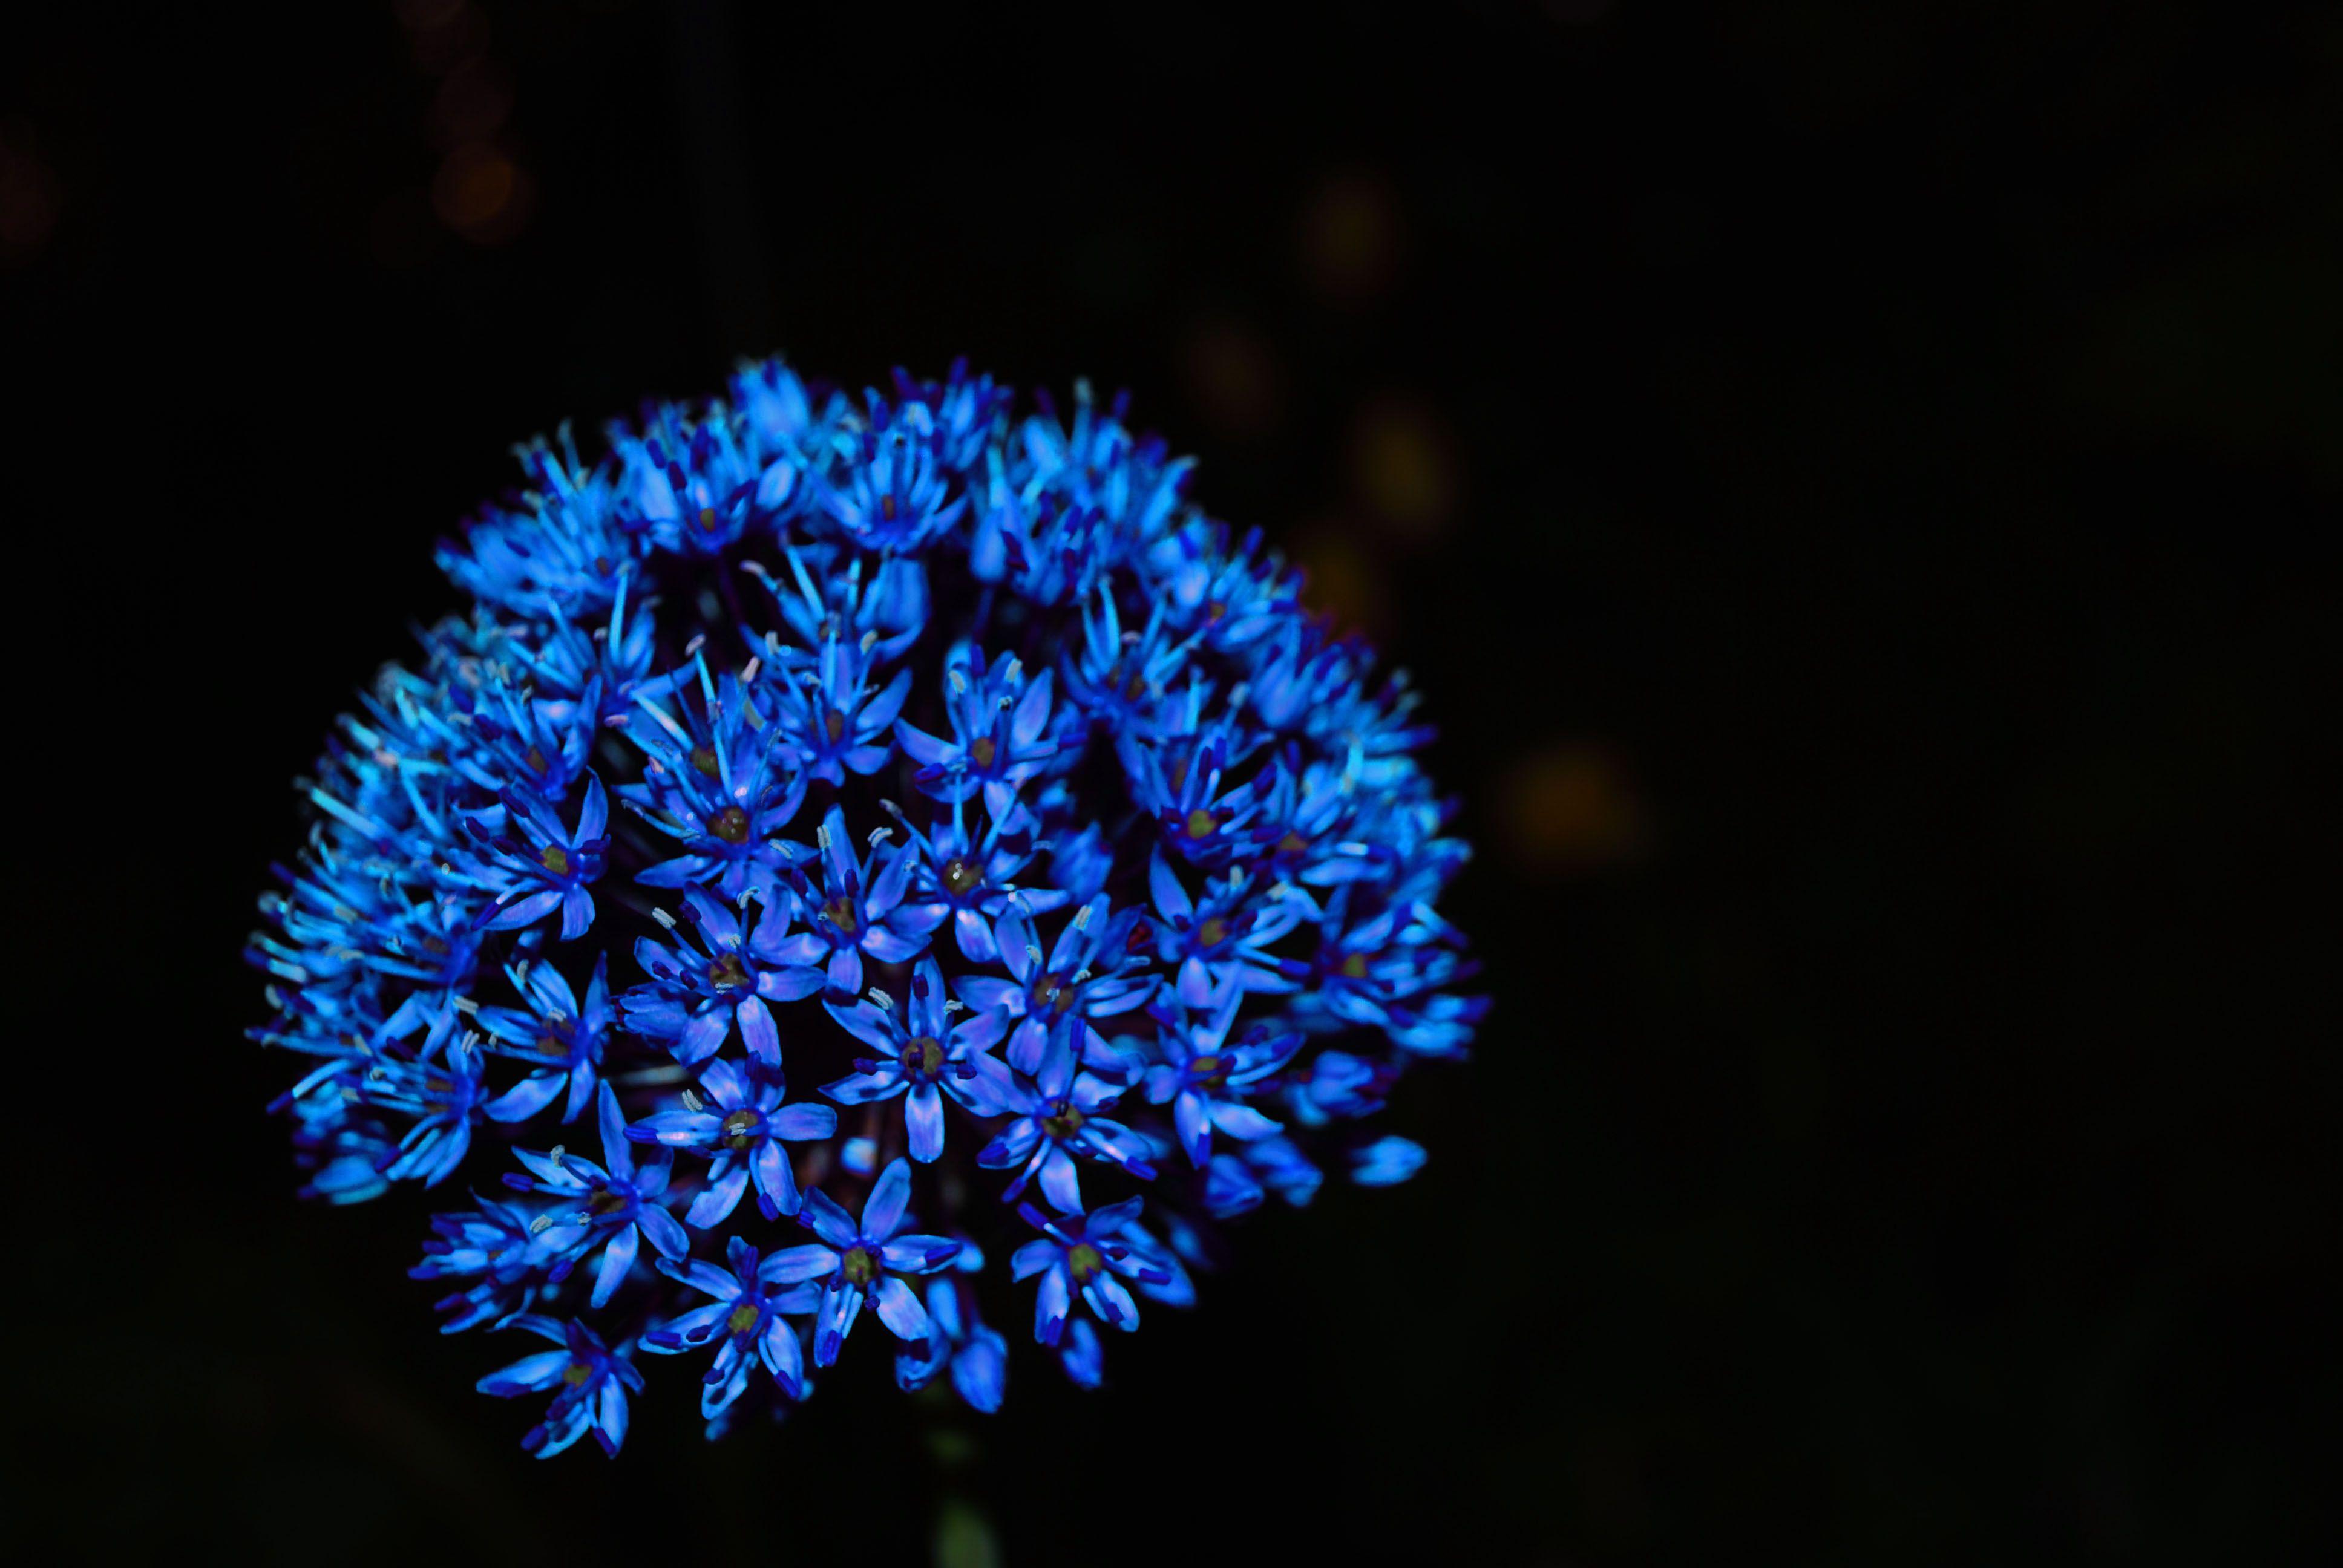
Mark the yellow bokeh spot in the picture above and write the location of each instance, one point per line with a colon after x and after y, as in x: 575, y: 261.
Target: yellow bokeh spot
x: 1569, y: 807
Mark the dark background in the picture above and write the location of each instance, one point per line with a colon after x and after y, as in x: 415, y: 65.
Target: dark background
x: 1857, y: 482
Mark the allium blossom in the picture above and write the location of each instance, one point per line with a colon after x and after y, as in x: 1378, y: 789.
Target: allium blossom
x: 902, y: 810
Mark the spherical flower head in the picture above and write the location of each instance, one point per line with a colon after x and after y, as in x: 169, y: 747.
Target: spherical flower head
x: 909, y: 814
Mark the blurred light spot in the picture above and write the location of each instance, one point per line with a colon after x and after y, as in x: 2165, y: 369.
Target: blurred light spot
x: 1569, y: 807
x: 29, y: 199
x: 480, y: 194
x: 442, y: 34
x: 1232, y: 377
x: 471, y: 106
x: 1403, y: 466
x: 1345, y: 582
x: 1350, y: 238
x: 963, y: 1538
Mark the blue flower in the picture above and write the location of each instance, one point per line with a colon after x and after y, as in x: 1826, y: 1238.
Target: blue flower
x: 1234, y: 598
x: 1086, y: 976
x: 862, y: 1261
x: 500, y: 1248
x: 715, y: 975
x: 445, y: 1099
x: 1387, y: 970
x: 1176, y: 821
x: 565, y: 553
x: 1084, y: 1256
x: 616, y: 1205
x: 691, y: 486
x: 851, y: 912
x: 927, y: 1058
x: 541, y: 740
x: 1236, y: 1182
x: 743, y: 1134
x: 970, y: 879
x: 1338, y: 1086
x: 962, y: 412
x: 1119, y: 677
x: 1056, y: 1119
x: 584, y: 678
x: 1000, y: 732
x: 830, y: 597
x: 823, y: 704
x: 897, y: 496
x: 562, y: 1039
x: 751, y: 1311
x: 538, y: 866
x: 714, y: 781
x: 591, y: 1383
x: 1205, y: 1076
x: 1225, y: 932
x: 1182, y: 766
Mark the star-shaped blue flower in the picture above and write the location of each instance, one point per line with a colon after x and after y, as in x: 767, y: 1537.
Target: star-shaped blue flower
x: 865, y: 1259
x: 926, y: 1057
x: 1205, y: 1076
x: 590, y: 1380
x: 852, y: 912
x: 1057, y: 1117
x: 1084, y: 977
x: 557, y: 1035
x: 615, y: 1205
x: 1000, y: 732
x: 718, y: 974
x: 743, y: 1132
x: 1084, y: 1255
x: 535, y: 865
x: 752, y: 1311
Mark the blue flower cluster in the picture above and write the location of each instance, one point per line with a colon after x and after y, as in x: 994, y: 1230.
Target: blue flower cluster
x: 907, y: 824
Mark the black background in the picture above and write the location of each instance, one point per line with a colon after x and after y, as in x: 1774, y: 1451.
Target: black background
x: 1855, y: 482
